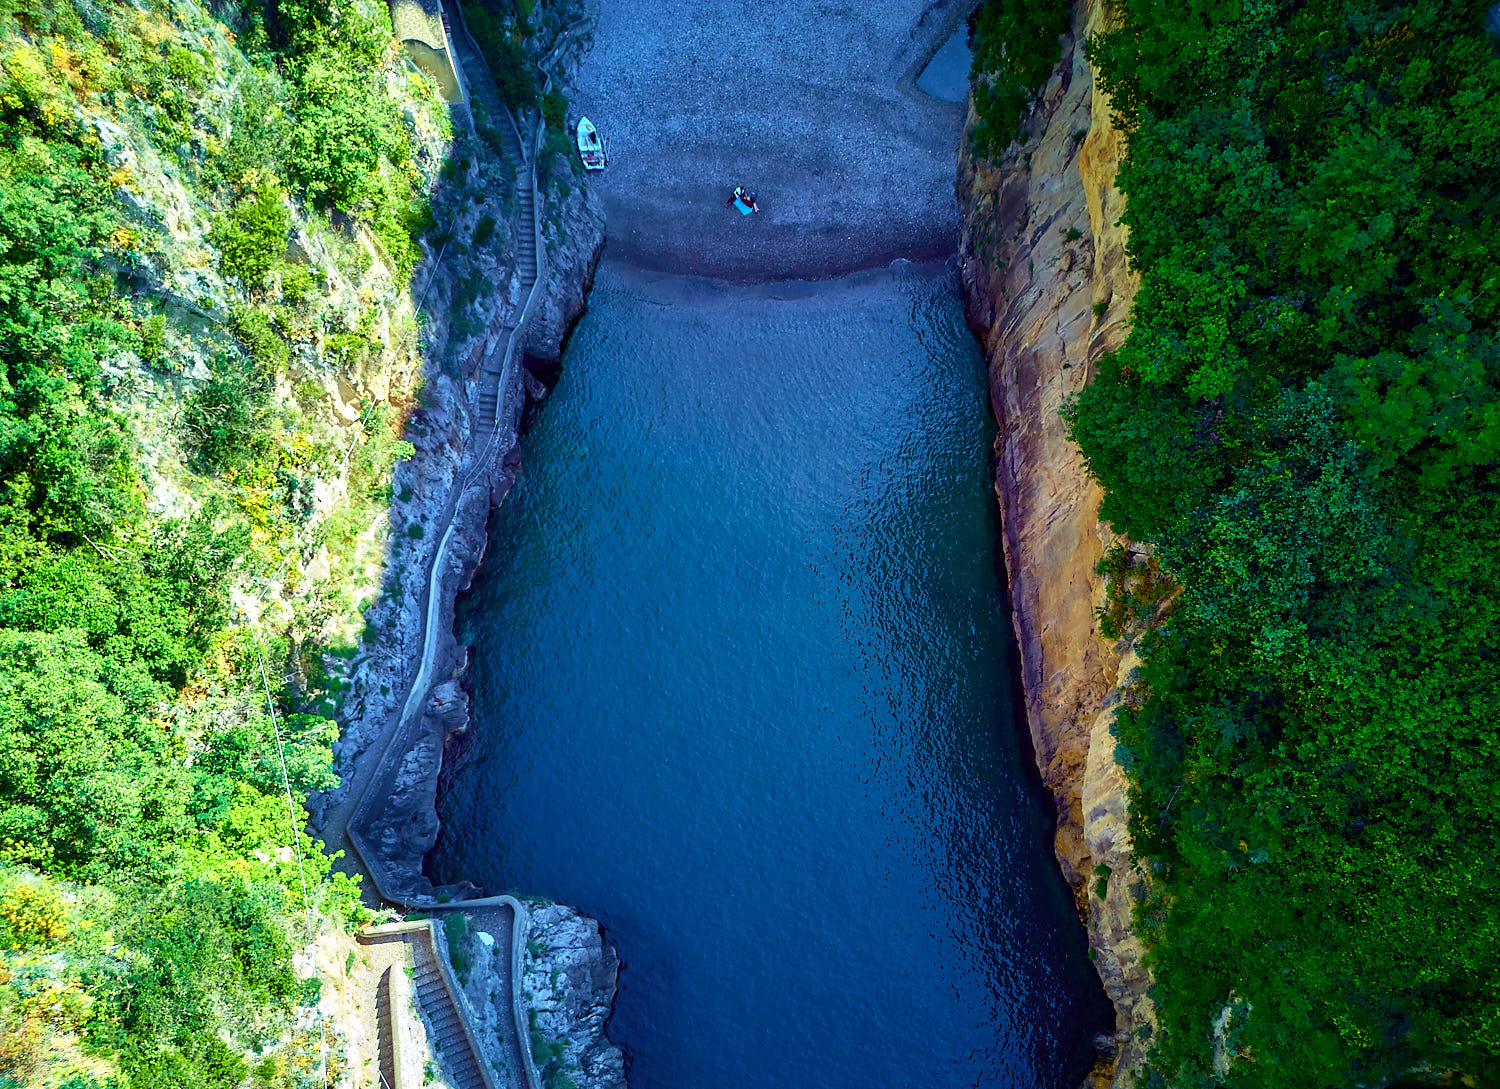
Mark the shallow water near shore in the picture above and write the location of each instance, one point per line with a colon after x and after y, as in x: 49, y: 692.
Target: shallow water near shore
x: 741, y: 693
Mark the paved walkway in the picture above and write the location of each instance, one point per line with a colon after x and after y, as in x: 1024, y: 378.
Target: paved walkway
x: 374, y: 773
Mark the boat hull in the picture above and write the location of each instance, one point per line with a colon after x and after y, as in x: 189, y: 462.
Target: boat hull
x: 590, y: 147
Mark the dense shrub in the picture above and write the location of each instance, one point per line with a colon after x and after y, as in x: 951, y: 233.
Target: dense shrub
x: 1305, y: 419
x: 252, y: 238
x: 33, y: 913
x: 153, y: 339
x: 515, y: 78
x: 346, y: 125
x: 258, y: 125
x: 484, y: 230
x: 265, y: 346
x: 1015, y: 46
x: 303, y: 28
x: 297, y: 283
x: 398, y: 217
x: 226, y: 413
x: 555, y: 112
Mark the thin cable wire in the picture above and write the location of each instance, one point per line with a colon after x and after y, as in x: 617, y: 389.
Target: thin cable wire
x: 291, y: 808
x: 286, y: 782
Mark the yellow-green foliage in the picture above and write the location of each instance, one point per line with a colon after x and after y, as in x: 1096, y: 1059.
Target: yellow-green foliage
x: 33, y: 913
x: 150, y: 892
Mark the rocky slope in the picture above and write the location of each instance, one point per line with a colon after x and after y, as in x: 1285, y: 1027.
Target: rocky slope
x: 367, y: 361
x: 1048, y: 291
x: 568, y: 977
x: 458, y: 474
x: 460, y: 471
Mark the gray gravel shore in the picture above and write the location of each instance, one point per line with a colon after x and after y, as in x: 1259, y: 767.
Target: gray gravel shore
x: 811, y: 104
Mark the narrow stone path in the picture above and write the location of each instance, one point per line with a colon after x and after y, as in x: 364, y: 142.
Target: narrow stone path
x: 501, y: 122
x: 374, y: 775
x: 375, y: 772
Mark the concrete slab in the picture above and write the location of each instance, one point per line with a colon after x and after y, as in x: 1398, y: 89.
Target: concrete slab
x: 811, y: 104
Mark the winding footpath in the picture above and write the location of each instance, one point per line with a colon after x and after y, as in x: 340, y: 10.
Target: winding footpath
x: 373, y: 776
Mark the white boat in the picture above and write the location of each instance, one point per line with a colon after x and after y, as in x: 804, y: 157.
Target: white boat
x: 590, y: 147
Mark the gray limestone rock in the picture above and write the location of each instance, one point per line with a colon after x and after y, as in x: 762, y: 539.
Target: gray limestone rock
x: 568, y: 977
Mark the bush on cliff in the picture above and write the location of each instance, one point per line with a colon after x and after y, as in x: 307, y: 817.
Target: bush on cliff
x: 1015, y: 45
x: 141, y: 784
x: 1305, y: 419
x: 252, y: 238
x: 346, y: 127
x: 510, y: 67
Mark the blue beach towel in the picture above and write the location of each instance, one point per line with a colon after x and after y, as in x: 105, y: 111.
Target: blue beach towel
x: 744, y: 208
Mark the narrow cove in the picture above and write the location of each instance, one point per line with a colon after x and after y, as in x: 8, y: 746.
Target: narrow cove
x: 741, y: 692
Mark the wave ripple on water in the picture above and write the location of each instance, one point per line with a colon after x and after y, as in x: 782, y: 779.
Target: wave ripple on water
x: 741, y: 693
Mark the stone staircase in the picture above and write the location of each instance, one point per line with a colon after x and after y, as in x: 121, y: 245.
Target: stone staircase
x: 436, y: 993
x: 444, y: 1020
x: 491, y: 371
x: 513, y: 143
x: 390, y: 996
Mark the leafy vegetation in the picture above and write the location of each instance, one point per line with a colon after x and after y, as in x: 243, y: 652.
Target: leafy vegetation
x: 151, y: 891
x: 1015, y: 45
x: 555, y: 111
x: 225, y: 416
x: 551, y: 1058
x: 1305, y: 423
x: 252, y: 238
x: 504, y: 53
x: 345, y: 128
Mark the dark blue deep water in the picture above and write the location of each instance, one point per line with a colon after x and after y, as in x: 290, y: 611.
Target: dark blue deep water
x: 741, y: 693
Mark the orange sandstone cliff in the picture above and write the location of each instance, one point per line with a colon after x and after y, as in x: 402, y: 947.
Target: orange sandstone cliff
x: 1049, y: 291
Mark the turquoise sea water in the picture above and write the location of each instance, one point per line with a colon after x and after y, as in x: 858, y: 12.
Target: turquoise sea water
x: 742, y: 694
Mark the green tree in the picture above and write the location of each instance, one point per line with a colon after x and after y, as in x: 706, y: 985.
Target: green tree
x: 1015, y: 45
x: 511, y: 69
x: 252, y: 238
x: 346, y: 126
x: 1303, y: 421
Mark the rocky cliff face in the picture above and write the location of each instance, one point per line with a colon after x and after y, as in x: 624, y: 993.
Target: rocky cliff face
x: 1048, y: 291
x: 568, y: 976
x: 406, y: 828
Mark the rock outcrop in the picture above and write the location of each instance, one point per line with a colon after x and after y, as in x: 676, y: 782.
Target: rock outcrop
x: 1048, y: 291
x: 568, y: 977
